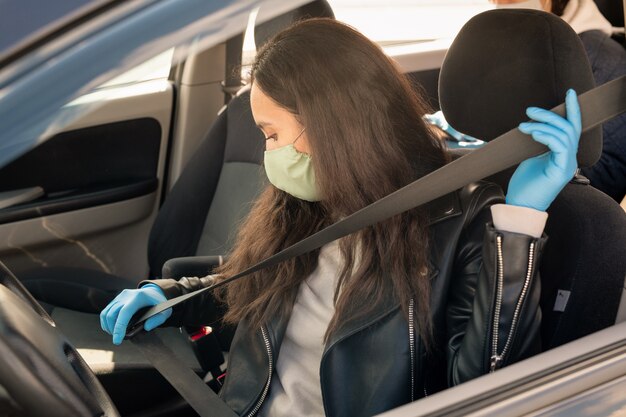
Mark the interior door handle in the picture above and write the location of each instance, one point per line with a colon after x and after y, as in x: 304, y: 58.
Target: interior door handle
x: 24, y: 195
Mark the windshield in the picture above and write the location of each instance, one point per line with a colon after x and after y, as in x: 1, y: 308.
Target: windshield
x: 401, y: 21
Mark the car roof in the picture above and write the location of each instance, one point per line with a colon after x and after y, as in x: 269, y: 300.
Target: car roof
x: 21, y: 20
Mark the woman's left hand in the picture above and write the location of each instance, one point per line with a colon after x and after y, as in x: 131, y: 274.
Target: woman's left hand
x: 537, y: 181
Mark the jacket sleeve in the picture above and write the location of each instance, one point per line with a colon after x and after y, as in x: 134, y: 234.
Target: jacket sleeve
x: 493, y: 314
x: 202, y: 310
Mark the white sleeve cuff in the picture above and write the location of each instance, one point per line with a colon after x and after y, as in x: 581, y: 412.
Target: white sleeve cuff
x: 517, y: 219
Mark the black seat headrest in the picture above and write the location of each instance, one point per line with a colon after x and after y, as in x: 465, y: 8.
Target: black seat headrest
x: 264, y: 31
x: 503, y: 61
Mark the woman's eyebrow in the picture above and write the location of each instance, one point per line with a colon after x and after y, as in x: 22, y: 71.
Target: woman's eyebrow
x: 263, y: 124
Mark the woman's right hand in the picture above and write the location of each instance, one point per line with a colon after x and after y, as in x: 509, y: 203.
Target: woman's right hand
x: 115, y: 317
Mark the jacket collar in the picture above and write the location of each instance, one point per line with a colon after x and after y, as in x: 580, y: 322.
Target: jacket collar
x: 383, y: 309
x: 443, y: 208
x: 278, y: 324
x: 276, y: 329
x: 438, y: 210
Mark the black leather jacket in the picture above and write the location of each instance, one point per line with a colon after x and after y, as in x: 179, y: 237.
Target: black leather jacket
x: 485, y: 306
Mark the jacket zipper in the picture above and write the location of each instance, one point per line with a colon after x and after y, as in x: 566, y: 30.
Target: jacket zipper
x: 270, y: 358
x: 496, y: 359
x: 412, y: 347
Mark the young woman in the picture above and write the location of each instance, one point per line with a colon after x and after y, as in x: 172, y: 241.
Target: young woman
x: 429, y: 298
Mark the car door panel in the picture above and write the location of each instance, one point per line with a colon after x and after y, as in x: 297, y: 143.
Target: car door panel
x: 101, y: 177
x: 119, y: 159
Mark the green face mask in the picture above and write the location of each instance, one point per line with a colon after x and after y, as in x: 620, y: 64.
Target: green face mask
x: 291, y: 171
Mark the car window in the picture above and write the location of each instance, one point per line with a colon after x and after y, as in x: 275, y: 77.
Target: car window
x: 155, y: 68
x: 397, y: 22
x: 401, y: 21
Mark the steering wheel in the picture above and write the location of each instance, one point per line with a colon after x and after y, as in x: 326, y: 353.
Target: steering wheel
x: 39, y: 368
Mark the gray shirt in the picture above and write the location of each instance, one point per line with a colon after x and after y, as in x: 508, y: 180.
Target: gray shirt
x: 295, y: 388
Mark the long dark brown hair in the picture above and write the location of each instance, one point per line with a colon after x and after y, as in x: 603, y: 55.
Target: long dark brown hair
x: 367, y: 139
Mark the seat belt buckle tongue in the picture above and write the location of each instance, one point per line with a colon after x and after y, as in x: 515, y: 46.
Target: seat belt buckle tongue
x: 135, y: 326
x: 133, y: 331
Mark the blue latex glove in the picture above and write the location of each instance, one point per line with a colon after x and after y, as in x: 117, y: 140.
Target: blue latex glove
x: 115, y: 317
x: 537, y: 181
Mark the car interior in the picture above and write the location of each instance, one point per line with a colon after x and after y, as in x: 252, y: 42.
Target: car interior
x: 170, y: 170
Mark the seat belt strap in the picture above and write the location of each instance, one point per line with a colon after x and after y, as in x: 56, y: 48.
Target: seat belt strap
x: 197, y: 394
x: 597, y: 105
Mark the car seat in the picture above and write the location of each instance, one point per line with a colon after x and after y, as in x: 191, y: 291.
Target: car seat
x: 499, y: 64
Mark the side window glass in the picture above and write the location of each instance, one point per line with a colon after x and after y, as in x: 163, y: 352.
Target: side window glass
x: 405, y: 21
x: 155, y: 68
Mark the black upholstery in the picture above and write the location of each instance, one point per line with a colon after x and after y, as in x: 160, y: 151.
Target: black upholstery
x: 178, y: 228
x: 586, y: 255
x: 533, y: 57
x: 191, y: 266
x: 501, y: 62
